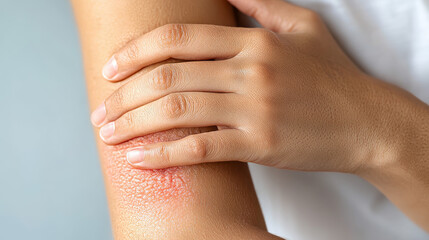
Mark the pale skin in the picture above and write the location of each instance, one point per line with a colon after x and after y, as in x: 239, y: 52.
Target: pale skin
x: 208, y: 201
x: 285, y: 96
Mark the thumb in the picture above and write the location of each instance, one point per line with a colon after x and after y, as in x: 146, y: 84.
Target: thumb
x: 276, y: 15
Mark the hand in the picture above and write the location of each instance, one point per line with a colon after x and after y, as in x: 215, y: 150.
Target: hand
x: 286, y: 96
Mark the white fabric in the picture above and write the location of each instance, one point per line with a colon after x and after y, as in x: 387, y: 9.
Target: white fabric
x: 389, y: 39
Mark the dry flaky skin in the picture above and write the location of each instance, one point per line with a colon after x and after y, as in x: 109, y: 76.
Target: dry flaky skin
x: 145, y: 201
x: 140, y: 188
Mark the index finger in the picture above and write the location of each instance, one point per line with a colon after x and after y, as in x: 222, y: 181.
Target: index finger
x: 179, y: 41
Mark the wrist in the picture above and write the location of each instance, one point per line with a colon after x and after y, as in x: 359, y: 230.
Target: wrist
x: 399, y: 146
x: 399, y: 167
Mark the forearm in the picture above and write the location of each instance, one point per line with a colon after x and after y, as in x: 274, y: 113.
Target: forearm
x: 400, y: 166
x: 206, y: 201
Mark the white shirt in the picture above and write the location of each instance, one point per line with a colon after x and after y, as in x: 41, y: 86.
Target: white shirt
x: 389, y: 39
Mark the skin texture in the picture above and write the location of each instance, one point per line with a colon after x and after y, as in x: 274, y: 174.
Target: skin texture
x: 140, y: 189
x: 210, y: 201
x: 288, y: 98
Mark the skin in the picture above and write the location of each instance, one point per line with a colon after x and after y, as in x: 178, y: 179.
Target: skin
x: 209, y: 201
x: 287, y: 98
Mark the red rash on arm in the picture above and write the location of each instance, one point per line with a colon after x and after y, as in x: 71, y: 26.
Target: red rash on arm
x: 141, y: 200
x: 140, y: 188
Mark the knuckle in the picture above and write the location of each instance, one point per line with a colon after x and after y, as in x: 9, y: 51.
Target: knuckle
x: 197, y: 147
x: 127, y: 120
x: 163, y: 77
x: 132, y: 50
x: 164, y: 154
x: 261, y: 72
x: 118, y: 98
x: 175, y: 105
x: 172, y: 35
x: 115, y: 104
x: 266, y: 37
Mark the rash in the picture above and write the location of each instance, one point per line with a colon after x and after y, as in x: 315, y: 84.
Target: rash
x: 134, y: 188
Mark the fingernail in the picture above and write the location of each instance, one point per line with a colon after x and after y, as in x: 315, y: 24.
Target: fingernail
x: 135, y: 156
x: 99, y: 115
x: 110, y: 70
x: 107, y: 131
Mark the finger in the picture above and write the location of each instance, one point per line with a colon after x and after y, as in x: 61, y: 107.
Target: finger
x: 177, y: 110
x: 179, y: 41
x: 205, y: 76
x: 276, y: 15
x: 216, y: 146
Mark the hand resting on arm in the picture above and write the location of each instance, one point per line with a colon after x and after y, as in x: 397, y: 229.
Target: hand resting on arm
x: 211, y: 201
x: 288, y: 95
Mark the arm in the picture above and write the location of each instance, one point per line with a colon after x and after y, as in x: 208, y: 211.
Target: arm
x: 400, y: 169
x: 291, y: 98
x: 207, y: 201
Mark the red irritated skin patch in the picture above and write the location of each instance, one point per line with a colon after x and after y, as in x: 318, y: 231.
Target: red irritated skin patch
x: 136, y: 189
x: 148, y: 203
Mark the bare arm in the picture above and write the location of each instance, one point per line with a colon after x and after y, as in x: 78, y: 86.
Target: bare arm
x: 215, y: 201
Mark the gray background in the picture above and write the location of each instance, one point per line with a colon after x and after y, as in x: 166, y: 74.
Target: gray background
x: 50, y: 180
